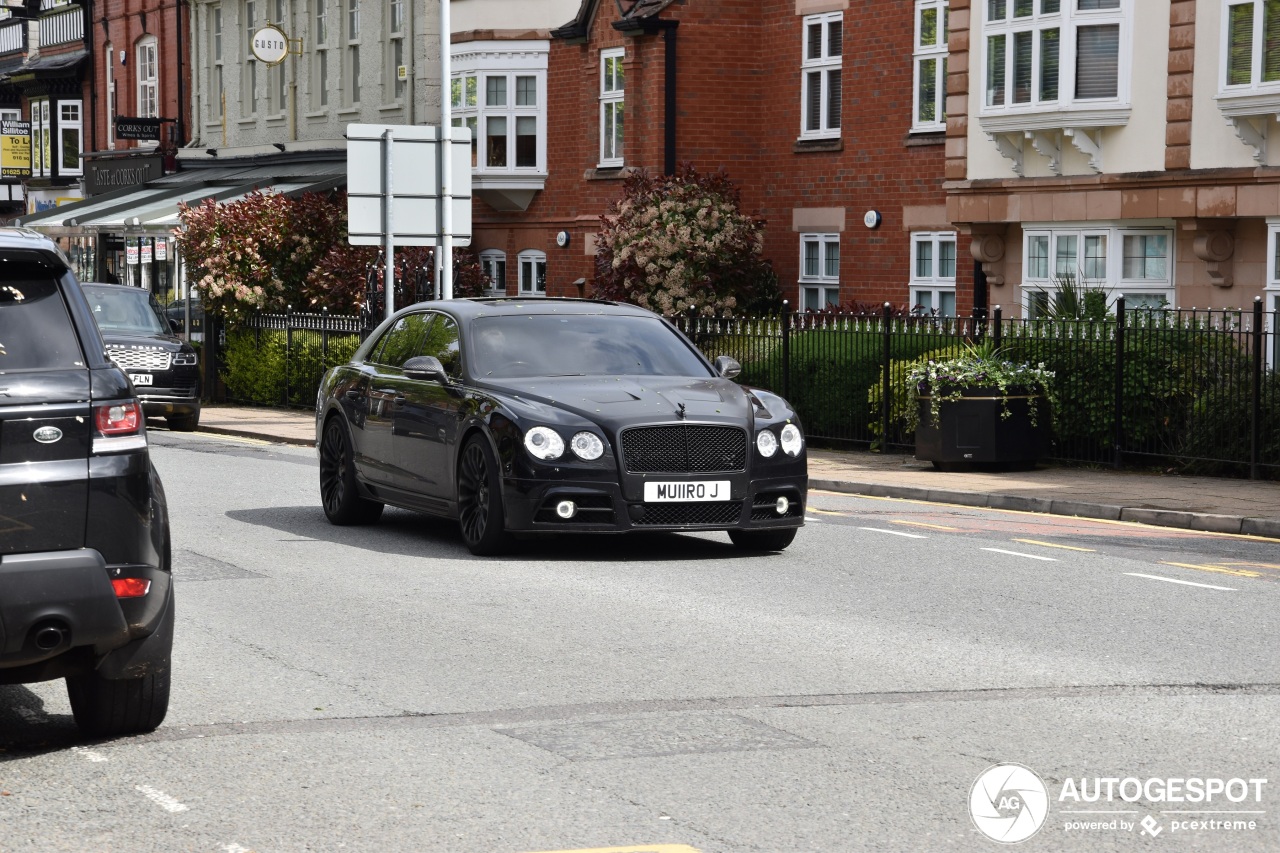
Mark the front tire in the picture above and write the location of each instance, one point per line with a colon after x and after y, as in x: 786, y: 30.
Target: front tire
x: 339, y: 493
x: 762, y: 540
x: 183, y: 423
x: 480, y: 499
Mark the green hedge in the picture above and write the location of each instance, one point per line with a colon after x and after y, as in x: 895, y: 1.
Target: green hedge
x: 257, y: 363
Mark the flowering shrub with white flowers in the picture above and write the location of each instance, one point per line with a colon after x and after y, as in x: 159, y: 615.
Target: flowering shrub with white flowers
x: 678, y: 242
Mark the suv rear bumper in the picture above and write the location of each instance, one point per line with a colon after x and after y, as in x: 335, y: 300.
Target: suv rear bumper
x: 56, y: 601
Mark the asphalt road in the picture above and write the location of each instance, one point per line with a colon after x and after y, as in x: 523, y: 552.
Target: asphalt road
x: 381, y: 689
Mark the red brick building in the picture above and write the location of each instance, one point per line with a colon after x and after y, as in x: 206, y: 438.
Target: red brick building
x: 828, y: 115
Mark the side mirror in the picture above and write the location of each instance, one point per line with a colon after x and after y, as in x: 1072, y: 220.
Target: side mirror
x: 174, y: 325
x: 727, y: 366
x: 426, y: 367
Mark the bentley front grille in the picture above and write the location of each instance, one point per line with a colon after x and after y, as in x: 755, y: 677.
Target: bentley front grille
x: 684, y: 449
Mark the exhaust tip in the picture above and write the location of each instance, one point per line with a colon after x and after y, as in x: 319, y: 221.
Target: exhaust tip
x: 48, y: 636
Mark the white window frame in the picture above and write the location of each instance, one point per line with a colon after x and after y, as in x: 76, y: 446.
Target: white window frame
x: 1271, y: 293
x: 932, y: 288
x: 216, y: 91
x: 523, y: 67
x: 612, y: 107
x: 41, y: 139
x: 930, y: 64
x: 1255, y: 84
x: 109, y: 66
x: 146, y: 61
x: 494, y: 264
x: 277, y: 82
x: 70, y: 120
x: 1114, y: 282
x: 821, y: 281
x: 321, y: 67
x: 395, y: 53
x: 351, y: 82
x: 249, y: 72
x: 529, y: 262
x: 822, y: 69
x: 1069, y: 20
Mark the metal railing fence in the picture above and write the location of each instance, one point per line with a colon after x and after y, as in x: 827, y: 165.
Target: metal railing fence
x: 1194, y: 390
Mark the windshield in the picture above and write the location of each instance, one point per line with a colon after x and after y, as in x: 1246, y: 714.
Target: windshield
x: 126, y: 310
x: 579, y: 345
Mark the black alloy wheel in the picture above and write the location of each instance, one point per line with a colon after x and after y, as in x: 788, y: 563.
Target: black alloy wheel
x: 762, y: 540
x: 479, y: 499
x: 339, y: 493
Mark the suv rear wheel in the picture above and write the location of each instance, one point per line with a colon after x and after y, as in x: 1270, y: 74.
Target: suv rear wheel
x: 103, y: 707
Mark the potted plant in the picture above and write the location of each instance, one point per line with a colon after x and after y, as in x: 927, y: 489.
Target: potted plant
x: 980, y: 408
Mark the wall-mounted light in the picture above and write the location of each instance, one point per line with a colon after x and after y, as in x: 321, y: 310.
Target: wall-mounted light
x: 123, y: 58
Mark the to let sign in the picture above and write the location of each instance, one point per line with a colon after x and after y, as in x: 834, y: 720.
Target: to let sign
x: 15, y: 149
x: 145, y: 129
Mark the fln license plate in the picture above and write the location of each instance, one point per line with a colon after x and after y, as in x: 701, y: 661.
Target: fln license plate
x: 686, y: 491
x: 141, y: 378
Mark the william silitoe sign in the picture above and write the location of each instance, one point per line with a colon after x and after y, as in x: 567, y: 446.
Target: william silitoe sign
x: 413, y: 184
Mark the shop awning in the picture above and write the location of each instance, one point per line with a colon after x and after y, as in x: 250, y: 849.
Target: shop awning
x: 153, y: 209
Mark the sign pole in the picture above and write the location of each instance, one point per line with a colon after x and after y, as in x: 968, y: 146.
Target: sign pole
x: 389, y: 279
x: 446, y: 154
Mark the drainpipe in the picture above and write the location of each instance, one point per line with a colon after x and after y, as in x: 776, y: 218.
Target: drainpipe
x: 181, y: 125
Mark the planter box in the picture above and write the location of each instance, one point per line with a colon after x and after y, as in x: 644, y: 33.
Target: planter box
x: 971, y: 432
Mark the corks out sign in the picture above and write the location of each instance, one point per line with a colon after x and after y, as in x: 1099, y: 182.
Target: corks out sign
x: 143, y: 129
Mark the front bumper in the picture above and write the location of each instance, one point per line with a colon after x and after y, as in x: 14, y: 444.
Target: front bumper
x: 608, y: 507
x: 163, y: 402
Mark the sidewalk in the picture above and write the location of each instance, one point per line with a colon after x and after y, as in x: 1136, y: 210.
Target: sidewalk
x: 1198, y: 503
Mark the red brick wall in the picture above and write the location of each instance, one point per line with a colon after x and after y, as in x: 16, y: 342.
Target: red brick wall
x: 124, y: 26
x: 739, y: 109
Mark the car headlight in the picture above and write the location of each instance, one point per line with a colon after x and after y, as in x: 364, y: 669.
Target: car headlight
x: 587, y: 445
x: 792, y: 441
x: 185, y: 358
x: 544, y: 443
x: 766, y: 443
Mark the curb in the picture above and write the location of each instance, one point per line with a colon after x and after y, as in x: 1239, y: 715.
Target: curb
x: 247, y: 433
x: 1200, y: 521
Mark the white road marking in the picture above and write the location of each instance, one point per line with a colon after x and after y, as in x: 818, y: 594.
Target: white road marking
x: 1184, y: 583
x: 1020, y: 554
x: 235, y: 848
x: 89, y: 754
x: 161, y: 799
x: 894, y: 532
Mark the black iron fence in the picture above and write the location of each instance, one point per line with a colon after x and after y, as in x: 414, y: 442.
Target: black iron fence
x: 1193, y: 390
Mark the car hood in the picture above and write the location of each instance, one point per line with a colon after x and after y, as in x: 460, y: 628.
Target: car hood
x: 161, y: 341
x: 621, y: 401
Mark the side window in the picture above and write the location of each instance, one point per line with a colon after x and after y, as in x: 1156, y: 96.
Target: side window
x: 35, y: 329
x: 400, y: 343
x: 442, y: 342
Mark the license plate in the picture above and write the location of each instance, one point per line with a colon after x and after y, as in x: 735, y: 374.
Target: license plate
x: 141, y: 378
x: 686, y: 491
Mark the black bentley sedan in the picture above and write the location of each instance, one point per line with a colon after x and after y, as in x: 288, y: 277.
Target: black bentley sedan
x: 163, y: 367
x: 555, y: 415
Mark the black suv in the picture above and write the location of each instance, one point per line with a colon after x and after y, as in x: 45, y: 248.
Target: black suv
x: 140, y: 339
x: 85, y: 591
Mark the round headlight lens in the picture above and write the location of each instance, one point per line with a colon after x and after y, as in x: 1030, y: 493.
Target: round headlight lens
x: 766, y: 443
x: 544, y: 443
x: 587, y: 445
x: 792, y: 441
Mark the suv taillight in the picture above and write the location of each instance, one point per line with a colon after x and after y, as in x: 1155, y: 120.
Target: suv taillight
x: 120, y: 426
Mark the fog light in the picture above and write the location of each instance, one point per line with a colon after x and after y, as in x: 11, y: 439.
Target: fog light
x: 782, y: 505
x: 566, y: 509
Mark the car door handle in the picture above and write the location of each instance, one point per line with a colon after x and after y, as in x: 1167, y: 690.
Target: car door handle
x: 400, y: 400
x: 354, y: 394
